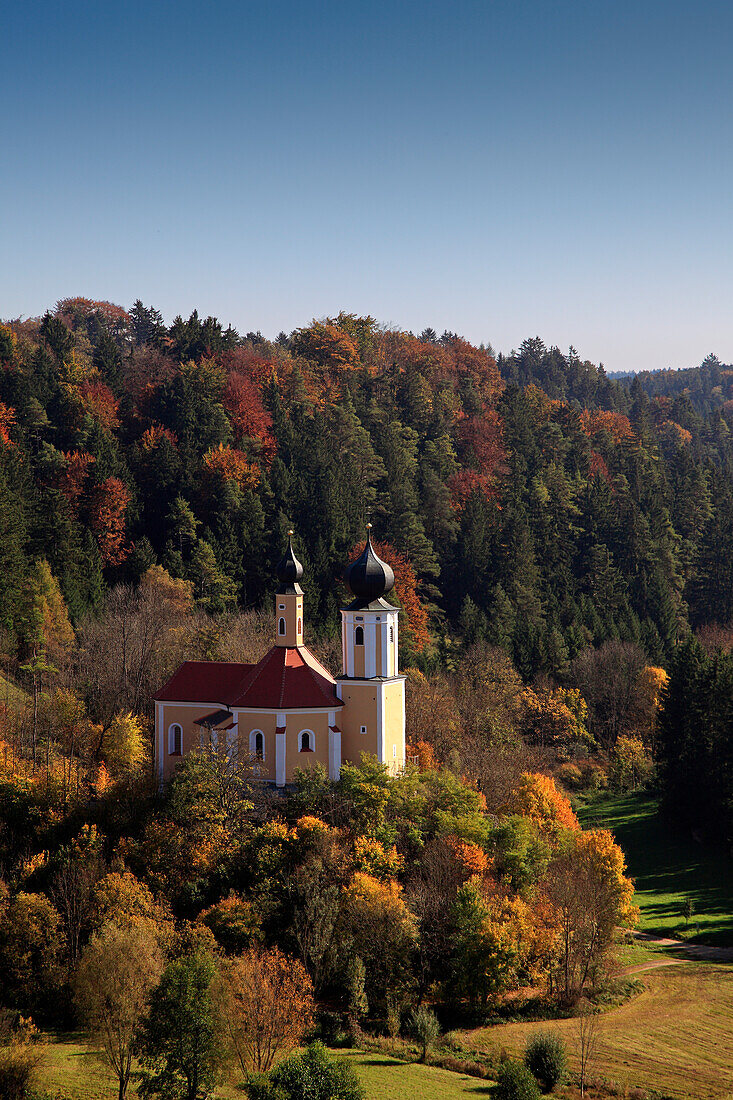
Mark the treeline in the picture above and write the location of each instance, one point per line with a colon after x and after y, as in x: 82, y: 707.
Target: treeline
x: 532, y: 502
x: 708, y: 388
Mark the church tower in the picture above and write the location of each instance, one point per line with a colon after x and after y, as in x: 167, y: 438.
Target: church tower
x: 289, y: 600
x: 370, y: 686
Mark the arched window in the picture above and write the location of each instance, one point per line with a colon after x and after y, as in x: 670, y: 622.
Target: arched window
x: 391, y: 634
x: 362, y: 729
x: 306, y: 741
x: 175, y: 740
x: 300, y: 626
x: 257, y: 744
x: 281, y: 626
x: 359, y: 636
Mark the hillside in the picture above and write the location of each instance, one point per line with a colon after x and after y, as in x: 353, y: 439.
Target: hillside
x: 541, y: 506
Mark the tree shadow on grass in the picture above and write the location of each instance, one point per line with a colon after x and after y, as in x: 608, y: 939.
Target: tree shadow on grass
x: 669, y: 868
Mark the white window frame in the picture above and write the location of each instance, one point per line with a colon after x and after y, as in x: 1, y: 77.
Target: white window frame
x: 356, y: 635
x: 253, y: 745
x: 172, y: 739
x: 362, y: 729
x: 311, y: 741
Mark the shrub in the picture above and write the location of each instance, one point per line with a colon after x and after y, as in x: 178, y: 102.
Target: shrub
x: 310, y: 1074
x: 570, y: 776
x: 426, y: 1029
x: 515, y: 1082
x: 545, y: 1057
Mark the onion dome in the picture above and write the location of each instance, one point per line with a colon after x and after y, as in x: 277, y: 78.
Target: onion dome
x: 369, y: 577
x: 289, y: 570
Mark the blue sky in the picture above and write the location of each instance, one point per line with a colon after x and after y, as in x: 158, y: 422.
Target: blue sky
x: 501, y: 169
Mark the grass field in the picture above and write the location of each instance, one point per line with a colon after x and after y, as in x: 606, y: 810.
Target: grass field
x: 676, y: 1037
x: 71, y: 1073
x: 667, y: 870
x: 12, y: 696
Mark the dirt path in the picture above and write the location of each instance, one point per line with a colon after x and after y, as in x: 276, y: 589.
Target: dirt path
x: 697, y: 951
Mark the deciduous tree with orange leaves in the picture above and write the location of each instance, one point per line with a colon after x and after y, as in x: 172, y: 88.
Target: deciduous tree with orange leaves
x: 231, y: 465
x: 537, y: 798
x: 270, y: 1006
x: 107, y: 519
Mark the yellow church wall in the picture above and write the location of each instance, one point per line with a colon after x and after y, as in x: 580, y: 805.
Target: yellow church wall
x: 184, y: 715
x: 247, y: 723
x: 295, y: 724
x: 290, y: 608
x: 394, y: 739
x: 361, y: 709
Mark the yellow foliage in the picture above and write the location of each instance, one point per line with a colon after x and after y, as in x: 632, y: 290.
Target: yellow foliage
x: 372, y: 858
x: 537, y: 798
x: 124, y: 744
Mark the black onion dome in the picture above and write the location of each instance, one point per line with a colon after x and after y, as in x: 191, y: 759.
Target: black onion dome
x: 369, y: 577
x: 289, y: 570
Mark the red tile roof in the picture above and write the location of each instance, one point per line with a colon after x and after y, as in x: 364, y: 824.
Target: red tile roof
x: 286, y: 678
x: 204, y: 682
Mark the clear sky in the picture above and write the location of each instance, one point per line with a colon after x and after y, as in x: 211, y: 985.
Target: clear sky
x: 500, y: 168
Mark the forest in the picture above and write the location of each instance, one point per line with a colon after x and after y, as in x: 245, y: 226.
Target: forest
x: 561, y: 544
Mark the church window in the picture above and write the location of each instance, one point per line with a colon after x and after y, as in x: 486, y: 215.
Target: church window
x: 300, y: 626
x: 281, y: 626
x: 363, y: 729
x: 306, y: 741
x: 175, y: 740
x: 359, y: 636
x: 391, y: 634
x: 257, y: 744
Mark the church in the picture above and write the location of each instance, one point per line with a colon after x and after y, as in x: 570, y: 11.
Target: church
x: 288, y: 711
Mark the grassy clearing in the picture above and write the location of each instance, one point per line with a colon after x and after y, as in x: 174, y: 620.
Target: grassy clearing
x: 676, y: 1037
x: 668, y: 869
x: 72, y: 1073
x: 13, y: 697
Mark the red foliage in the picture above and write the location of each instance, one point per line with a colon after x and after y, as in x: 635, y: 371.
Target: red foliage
x: 71, y: 481
x: 101, y: 403
x: 243, y: 402
x: 598, y: 467
x: 246, y: 361
x: 7, y: 420
x: 481, y: 442
x: 465, y: 482
x: 593, y: 421
x: 107, y: 519
x: 71, y: 310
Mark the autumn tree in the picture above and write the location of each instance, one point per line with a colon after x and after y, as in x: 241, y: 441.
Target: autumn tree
x: 270, y: 1006
x: 31, y: 941
x: 593, y: 897
x: 537, y: 798
x: 107, y: 519
x: 377, y: 919
x: 118, y: 971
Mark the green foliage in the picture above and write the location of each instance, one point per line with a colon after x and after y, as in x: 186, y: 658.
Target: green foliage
x: 425, y: 1028
x: 312, y: 1074
x: 515, y: 1082
x: 182, y: 1042
x: 545, y: 1057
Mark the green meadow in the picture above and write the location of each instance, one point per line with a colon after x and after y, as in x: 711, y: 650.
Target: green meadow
x: 669, y: 868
